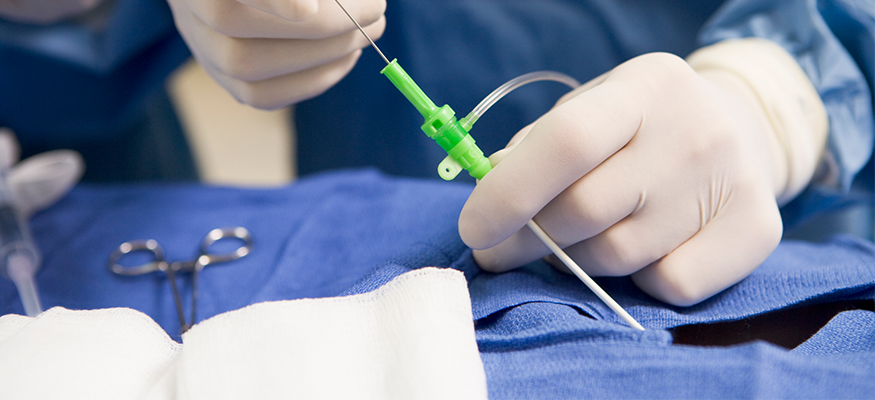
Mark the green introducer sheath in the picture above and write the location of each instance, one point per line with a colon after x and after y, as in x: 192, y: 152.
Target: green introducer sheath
x: 442, y: 126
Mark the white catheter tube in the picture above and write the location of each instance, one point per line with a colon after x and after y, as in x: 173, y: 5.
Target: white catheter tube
x: 478, y: 111
x: 605, y: 298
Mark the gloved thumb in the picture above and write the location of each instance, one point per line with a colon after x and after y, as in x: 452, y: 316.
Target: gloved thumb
x: 39, y: 181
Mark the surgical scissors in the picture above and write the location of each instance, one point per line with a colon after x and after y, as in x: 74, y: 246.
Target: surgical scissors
x: 158, y: 263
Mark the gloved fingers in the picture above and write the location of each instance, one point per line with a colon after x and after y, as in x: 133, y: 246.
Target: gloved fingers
x: 292, y: 10
x: 634, y: 242
x: 619, y: 188
x: 278, y: 92
x: 588, y: 207
x: 520, y: 247
x: 564, y: 145
x: 611, y: 221
x: 723, y: 252
x: 235, y: 19
x: 41, y: 180
x: 257, y: 59
x: 9, y: 149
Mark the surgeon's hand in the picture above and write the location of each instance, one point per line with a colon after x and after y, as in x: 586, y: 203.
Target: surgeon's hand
x: 43, y: 11
x: 272, y: 53
x: 652, y: 170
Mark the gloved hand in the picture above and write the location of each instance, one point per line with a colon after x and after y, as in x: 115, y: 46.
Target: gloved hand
x: 272, y: 53
x: 38, y: 181
x: 43, y: 11
x: 659, y: 171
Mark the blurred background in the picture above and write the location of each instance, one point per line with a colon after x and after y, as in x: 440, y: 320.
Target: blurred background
x: 231, y: 143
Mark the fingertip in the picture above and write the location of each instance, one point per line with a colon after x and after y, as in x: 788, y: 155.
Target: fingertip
x: 485, y: 261
x: 669, y: 288
x: 489, y: 261
x: 470, y: 223
x: 375, y: 30
x: 368, y: 12
x: 479, y: 225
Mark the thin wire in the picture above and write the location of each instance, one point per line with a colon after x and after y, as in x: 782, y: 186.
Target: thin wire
x: 475, y: 114
x: 362, y: 31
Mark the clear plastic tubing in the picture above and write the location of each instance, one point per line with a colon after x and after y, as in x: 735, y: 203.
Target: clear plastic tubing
x: 512, y: 85
x: 19, y: 258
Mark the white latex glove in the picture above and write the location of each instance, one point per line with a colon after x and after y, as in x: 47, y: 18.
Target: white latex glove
x: 658, y: 171
x: 43, y: 11
x: 272, y: 53
x: 38, y: 181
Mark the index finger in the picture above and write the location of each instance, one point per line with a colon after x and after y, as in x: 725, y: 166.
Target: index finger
x: 563, y: 146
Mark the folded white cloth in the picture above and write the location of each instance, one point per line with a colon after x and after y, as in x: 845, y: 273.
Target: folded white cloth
x: 114, y: 353
x: 412, y: 338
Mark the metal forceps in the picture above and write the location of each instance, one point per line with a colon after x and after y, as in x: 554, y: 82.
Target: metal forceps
x: 158, y: 263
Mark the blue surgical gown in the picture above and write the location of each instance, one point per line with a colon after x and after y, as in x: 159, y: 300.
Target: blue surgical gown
x: 541, y: 334
x: 87, y: 79
x: 96, y: 84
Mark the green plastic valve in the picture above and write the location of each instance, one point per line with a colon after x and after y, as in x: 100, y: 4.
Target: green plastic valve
x: 442, y: 126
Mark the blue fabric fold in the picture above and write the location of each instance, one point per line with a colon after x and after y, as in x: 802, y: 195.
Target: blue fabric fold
x: 848, y: 333
x: 541, y: 333
x: 645, y: 367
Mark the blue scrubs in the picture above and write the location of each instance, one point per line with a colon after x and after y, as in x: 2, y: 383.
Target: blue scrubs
x: 459, y: 51
x: 541, y: 333
x: 96, y: 85
x: 86, y: 81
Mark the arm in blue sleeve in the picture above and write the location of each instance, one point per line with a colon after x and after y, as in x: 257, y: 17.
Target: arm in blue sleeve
x: 100, y: 41
x: 834, y: 43
x: 88, y: 76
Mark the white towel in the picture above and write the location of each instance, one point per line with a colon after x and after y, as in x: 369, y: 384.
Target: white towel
x: 412, y: 338
x: 114, y: 353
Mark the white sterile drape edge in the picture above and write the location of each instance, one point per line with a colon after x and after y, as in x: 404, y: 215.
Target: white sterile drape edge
x: 114, y: 353
x: 412, y: 338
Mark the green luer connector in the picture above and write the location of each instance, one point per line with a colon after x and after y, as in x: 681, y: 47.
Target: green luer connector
x: 442, y: 126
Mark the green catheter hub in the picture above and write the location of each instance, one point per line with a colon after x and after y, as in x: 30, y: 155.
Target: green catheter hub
x: 440, y: 123
x: 442, y: 126
x: 452, y: 135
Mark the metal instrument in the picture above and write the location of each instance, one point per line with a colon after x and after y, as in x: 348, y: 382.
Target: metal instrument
x: 171, y: 269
